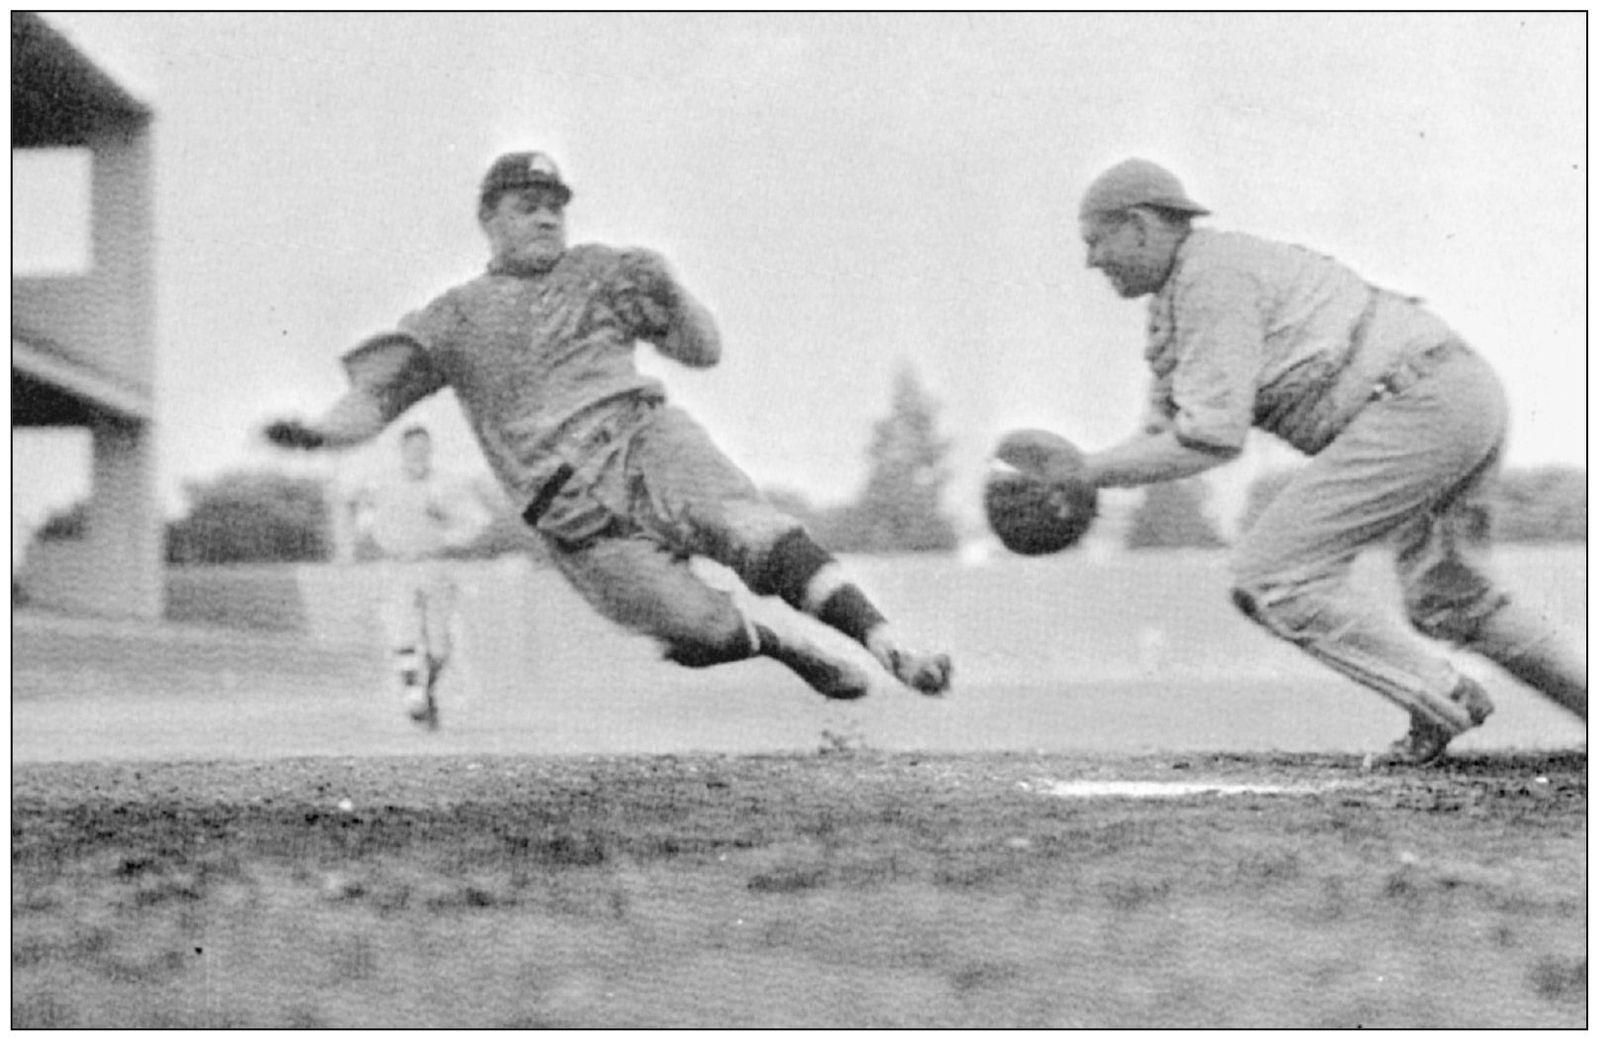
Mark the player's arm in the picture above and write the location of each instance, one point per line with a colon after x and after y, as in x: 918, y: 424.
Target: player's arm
x: 693, y: 338
x: 348, y: 522
x: 388, y: 373
x: 355, y: 418
x: 665, y: 314
x: 1149, y: 458
x: 1201, y: 405
x: 463, y: 517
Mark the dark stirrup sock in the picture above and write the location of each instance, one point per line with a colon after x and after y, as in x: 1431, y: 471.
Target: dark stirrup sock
x: 810, y: 580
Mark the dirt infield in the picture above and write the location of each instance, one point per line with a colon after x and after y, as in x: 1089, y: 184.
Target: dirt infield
x: 844, y: 888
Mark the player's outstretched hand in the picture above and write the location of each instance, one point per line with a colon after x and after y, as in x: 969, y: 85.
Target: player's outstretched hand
x: 293, y: 434
x: 1040, y: 501
x: 1041, y: 454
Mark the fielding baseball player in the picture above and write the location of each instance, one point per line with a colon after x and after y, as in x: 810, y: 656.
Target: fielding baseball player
x: 1404, y: 422
x: 622, y: 487
x: 414, y: 515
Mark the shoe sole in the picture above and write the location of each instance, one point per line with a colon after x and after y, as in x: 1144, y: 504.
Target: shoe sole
x: 1475, y: 701
x: 1402, y: 753
x: 930, y: 678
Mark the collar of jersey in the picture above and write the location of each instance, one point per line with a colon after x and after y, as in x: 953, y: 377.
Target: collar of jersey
x: 524, y: 271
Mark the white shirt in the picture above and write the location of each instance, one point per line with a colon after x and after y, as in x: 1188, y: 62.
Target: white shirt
x: 414, y: 519
x: 1233, y: 331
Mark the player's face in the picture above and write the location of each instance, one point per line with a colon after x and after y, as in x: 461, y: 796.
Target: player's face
x: 416, y: 456
x: 527, y: 228
x: 1121, y: 249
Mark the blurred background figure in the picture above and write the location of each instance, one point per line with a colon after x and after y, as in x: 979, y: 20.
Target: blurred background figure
x: 413, y: 516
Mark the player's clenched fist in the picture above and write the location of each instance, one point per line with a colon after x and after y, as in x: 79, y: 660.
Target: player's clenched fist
x: 293, y: 434
x: 642, y: 293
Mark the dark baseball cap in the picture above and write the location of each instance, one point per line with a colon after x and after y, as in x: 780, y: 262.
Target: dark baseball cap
x: 515, y: 170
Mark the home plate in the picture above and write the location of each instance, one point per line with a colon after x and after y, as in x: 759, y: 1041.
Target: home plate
x: 1142, y: 790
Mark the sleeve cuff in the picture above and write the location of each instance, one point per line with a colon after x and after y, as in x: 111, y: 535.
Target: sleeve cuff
x: 1222, y: 449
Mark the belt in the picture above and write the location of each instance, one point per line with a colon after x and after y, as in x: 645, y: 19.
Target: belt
x: 547, y: 494
x: 1417, y: 367
x: 622, y: 424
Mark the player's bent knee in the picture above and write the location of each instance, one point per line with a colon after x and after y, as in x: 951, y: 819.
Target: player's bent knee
x: 709, y: 635
x: 700, y: 652
x: 1452, y: 602
x: 742, y: 534
x: 1289, y: 615
x: 1245, y: 602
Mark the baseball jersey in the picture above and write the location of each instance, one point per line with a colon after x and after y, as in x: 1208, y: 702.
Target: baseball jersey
x: 1252, y: 333
x: 414, y: 519
x: 540, y: 363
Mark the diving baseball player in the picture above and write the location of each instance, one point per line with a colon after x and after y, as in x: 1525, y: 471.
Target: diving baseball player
x: 1404, y: 422
x: 621, y: 486
x: 414, y: 516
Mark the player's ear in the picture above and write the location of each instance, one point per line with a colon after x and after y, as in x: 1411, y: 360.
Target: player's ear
x: 1143, y: 227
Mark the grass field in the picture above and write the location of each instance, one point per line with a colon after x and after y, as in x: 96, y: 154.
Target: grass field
x: 232, y: 830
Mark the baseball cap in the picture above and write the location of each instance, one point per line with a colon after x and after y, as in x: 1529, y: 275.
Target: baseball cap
x: 523, y: 170
x: 1137, y: 182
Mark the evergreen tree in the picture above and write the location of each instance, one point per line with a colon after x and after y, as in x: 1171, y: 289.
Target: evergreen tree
x: 900, y: 508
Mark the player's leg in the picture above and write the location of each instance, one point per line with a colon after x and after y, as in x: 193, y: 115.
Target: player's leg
x: 437, y: 600
x: 1384, y: 473
x: 696, y: 499
x: 637, y: 582
x: 1450, y: 594
x: 404, y: 624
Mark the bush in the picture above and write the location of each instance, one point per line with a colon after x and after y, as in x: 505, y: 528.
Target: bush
x: 252, y: 516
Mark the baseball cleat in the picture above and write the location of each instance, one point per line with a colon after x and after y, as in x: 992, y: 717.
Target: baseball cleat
x: 421, y: 706
x: 419, y: 698
x: 1428, y: 739
x: 420, y: 702
x: 927, y: 672
x: 1474, y: 699
x: 1425, y: 743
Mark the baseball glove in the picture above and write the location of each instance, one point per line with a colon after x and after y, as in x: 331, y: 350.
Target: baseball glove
x: 643, y: 294
x: 1039, y: 502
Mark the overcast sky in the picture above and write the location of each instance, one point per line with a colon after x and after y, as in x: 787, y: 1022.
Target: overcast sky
x: 846, y: 192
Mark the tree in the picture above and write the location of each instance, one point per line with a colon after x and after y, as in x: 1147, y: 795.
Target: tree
x: 1170, y: 514
x: 900, y: 507
x: 252, y: 516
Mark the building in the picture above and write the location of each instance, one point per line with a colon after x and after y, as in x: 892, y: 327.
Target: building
x: 82, y: 345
